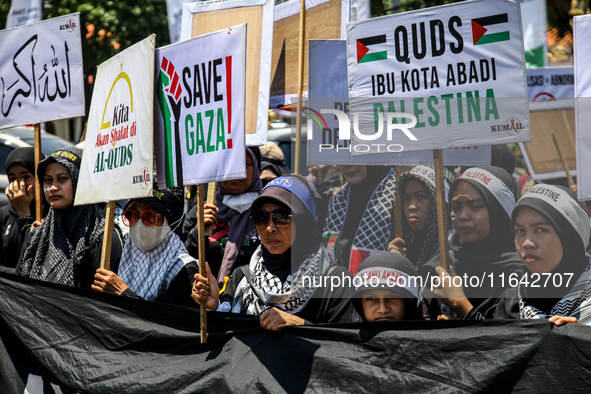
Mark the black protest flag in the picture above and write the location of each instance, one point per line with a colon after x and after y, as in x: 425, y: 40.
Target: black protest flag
x: 84, y: 341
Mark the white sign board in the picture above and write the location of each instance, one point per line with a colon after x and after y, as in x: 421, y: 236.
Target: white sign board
x: 551, y: 83
x: 263, y: 28
x: 199, y: 109
x: 41, y: 72
x: 119, y: 151
x: 582, y: 37
x: 23, y: 12
x: 459, y: 69
x: 327, y: 83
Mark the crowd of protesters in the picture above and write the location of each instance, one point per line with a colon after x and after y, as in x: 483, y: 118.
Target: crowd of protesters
x: 278, y: 239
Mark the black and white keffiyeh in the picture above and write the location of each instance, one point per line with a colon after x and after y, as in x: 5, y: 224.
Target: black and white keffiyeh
x: 61, y: 242
x: 576, y: 303
x: 149, y: 274
x: 375, y: 227
x: 266, y: 290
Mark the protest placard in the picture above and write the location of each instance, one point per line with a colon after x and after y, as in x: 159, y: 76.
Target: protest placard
x: 541, y: 155
x: 199, y: 109
x: 328, y: 90
x: 41, y: 72
x: 458, y: 69
x: 325, y: 19
x: 119, y: 153
x: 23, y: 12
x: 209, y: 16
x: 582, y: 36
x: 550, y: 83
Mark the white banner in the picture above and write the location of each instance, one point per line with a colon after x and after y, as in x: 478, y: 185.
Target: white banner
x: 174, y: 9
x: 328, y: 90
x: 582, y: 37
x: 119, y: 151
x: 41, y: 72
x: 199, y: 109
x: 23, y: 12
x: 458, y: 69
x: 552, y: 83
x: 263, y: 28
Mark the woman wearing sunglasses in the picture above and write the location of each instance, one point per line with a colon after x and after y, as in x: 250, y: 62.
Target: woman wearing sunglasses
x: 283, y: 282
x: 155, y: 264
x: 234, y: 238
x: 66, y: 248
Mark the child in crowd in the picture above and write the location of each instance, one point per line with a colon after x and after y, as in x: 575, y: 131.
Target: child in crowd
x: 386, y: 289
x: 420, y: 235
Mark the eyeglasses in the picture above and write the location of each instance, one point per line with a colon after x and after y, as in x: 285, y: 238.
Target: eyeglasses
x: 149, y: 217
x: 281, y: 217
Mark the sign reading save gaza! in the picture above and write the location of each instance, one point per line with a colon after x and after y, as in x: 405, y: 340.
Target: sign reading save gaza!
x: 118, y: 153
x: 199, y: 122
x: 459, y: 69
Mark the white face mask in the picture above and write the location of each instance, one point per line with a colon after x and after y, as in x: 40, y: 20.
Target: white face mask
x: 147, y: 238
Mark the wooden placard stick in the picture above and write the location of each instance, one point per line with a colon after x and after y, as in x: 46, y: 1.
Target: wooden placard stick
x: 202, y: 270
x: 569, y: 178
x: 108, y: 235
x: 298, y: 146
x: 211, y: 190
x: 441, y: 209
x: 398, y: 218
x: 38, y: 196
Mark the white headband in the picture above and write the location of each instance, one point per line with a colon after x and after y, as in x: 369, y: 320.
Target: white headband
x: 389, y: 277
x: 428, y: 174
x: 564, y: 204
x: 497, y: 187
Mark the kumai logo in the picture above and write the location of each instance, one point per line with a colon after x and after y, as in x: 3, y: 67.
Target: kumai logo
x: 362, y: 49
x: 169, y: 92
x: 70, y: 26
x: 478, y: 30
x: 142, y: 179
x: 345, y: 128
x: 512, y: 127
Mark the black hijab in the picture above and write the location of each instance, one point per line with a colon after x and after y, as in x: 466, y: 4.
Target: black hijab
x: 305, y: 205
x: 496, y: 252
x: 555, y: 204
x: 61, y: 242
x: 26, y: 158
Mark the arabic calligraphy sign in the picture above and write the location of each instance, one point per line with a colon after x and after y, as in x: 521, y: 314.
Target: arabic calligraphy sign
x: 41, y: 73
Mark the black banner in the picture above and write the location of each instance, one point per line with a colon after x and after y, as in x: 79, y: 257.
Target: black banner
x: 83, y: 341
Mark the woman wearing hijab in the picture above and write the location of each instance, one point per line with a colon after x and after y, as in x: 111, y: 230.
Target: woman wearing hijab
x: 360, y: 216
x: 17, y: 217
x: 66, y: 248
x: 482, y: 244
x: 234, y: 238
x: 284, y: 282
x: 551, y: 236
x: 155, y: 264
x: 420, y: 235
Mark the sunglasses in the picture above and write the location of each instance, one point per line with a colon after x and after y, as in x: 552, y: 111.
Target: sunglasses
x: 148, y: 216
x: 281, y: 217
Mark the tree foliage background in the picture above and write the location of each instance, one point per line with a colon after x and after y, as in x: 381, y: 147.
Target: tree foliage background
x: 108, y: 26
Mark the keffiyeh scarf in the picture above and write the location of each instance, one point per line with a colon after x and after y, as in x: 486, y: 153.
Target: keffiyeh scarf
x: 260, y: 290
x: 149, y: 274
x: 375, y: 227
x: 577, y: 302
